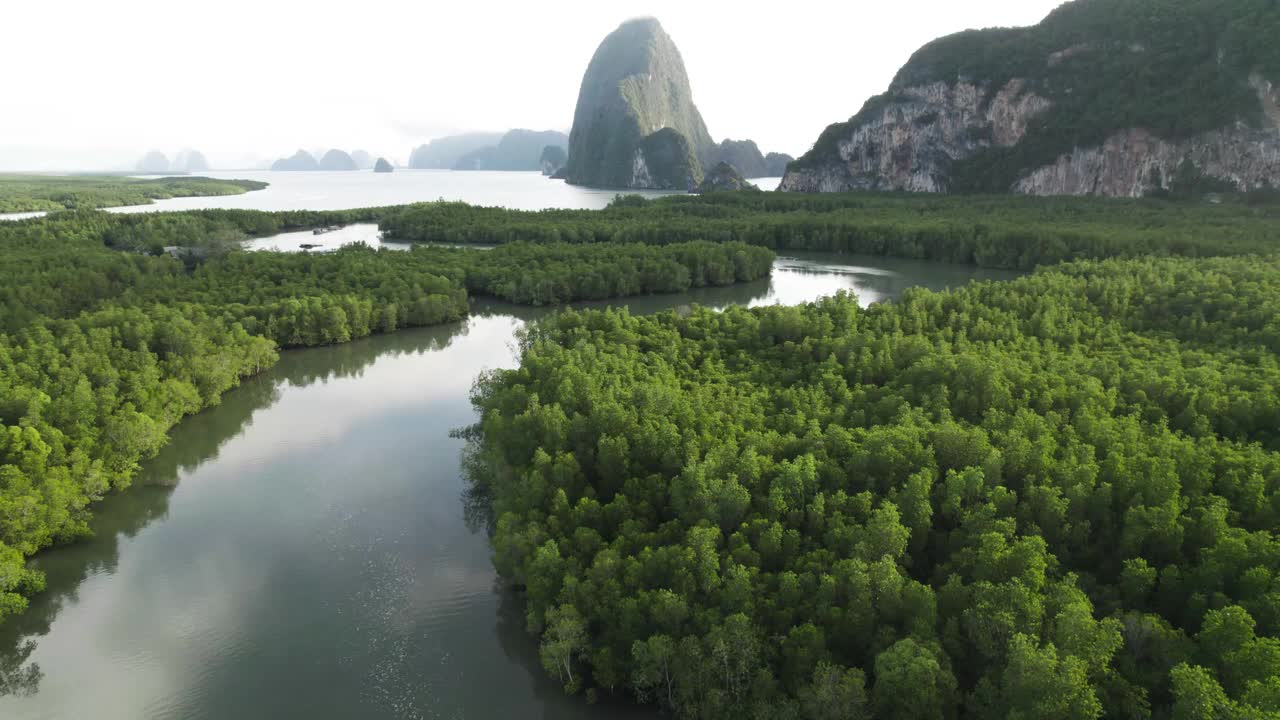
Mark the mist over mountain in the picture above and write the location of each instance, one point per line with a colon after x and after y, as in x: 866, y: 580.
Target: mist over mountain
x: 299, y: 161
x: 517, y: 150
x: 443, y: 153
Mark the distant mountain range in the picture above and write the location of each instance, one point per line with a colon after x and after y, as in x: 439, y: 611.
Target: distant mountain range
x: 331, y: 160
x: 187, y: 161
x: 517, y: 150
x: 444, y: 152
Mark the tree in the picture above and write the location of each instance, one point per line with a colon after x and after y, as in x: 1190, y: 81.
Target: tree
x: 564, y: 641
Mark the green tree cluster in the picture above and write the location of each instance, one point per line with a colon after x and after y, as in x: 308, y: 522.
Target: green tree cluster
x: 104, y: 347
x: 1055, y: 497
x: 990, y: 231
x: 28, y: 193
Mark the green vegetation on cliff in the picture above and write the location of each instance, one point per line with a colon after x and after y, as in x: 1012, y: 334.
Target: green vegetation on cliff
x: 635, y: 86
x: 1174, y: 67
x: 30, y: 193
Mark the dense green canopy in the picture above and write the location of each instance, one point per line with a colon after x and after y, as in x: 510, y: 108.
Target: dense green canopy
x: 1055, y: 497
x: 103, y: 348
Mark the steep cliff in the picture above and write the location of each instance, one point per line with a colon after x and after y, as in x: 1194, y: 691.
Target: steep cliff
x: 1103, y: 97
x: 744, y: 155
x: 552, y: 159
x: 636, y: 87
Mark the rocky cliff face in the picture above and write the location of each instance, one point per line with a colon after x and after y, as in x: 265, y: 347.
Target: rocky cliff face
x: 1102, y: 97
x: 775, y: 164
x: 910, y: 143
x: 1135, y: 163
x: 635, y: 87
x: 724, y: 178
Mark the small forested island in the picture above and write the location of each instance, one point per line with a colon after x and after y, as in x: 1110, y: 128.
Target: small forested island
x: 33, y: 193
x: 382, y: 166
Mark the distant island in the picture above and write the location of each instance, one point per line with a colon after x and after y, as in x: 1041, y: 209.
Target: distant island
x: 337, y: 160
x: 362, y: 159
x: 333, y: 160
x: 382, y: 166
x: 517, y: 150
x: 299, y: 161
x: 443, y: 153
x: 552, y: 159
x: 636, y: 125
x: 724, y: 177
x: 186, y: 161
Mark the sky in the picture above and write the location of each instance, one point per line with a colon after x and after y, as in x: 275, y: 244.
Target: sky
x: 92, y: 85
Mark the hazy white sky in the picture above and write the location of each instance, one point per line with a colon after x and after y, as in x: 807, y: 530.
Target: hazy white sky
x: 89, y: 84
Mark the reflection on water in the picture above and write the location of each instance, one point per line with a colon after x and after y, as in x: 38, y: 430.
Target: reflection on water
x: 366, y: 233
x: 301, y: 550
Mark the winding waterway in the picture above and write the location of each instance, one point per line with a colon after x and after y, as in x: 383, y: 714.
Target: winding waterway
x: 303, y: 549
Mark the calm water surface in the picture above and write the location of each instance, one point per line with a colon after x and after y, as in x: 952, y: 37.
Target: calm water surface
x: 302, y: 549
x: 342, y: 190
x: 345, y: 190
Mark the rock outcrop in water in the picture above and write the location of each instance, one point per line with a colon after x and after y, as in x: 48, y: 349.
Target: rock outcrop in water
x: 362, y: 159
x: 775, y: 164
x: 742, y: 154
x: 443, y: 153
x: 635, y: 125
x: 301, y: 160
x: 338, y: 160
x: 154, y: 162
x: 519, y: 150
x: 382, y: 166
x: 190, y: 161
x: 1054, y: 109
x: 724, y: 178
x: 552, y: 159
